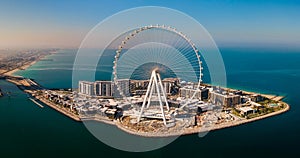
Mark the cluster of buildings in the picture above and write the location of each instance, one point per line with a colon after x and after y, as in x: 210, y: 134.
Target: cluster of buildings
x: 104, y: 88
x: 191, y: 90
x: 172, y: 86
x: 108, y: 89
x: 13, y: 59
x: 225, y: 98
x: 245, y: 103
x: 99, y: 96
x: 64, y: 100
x: 96, y: 100
x: 86, y: 107
x: 95, y: 108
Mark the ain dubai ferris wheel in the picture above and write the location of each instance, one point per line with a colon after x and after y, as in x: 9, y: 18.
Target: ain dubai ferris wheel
x: 156, y: 53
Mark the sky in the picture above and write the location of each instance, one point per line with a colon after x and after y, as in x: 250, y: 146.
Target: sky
x: 232, y: 23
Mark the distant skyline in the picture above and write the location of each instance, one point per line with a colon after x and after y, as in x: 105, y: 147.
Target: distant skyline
x: 232, y: 23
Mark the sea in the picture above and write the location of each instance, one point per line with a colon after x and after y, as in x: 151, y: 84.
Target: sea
x: 30, y: 131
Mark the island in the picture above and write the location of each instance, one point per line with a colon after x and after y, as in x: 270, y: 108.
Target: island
x: 181, y: 108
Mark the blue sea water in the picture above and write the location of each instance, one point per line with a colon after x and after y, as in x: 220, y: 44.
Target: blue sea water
x: 29, y: 131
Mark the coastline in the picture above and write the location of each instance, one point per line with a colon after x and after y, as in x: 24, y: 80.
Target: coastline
x: 24, y: 67
x: 62, y: 111
x: 44, y: 101
x: 244, y: 121
x: 196, y: 130
x: 187, y: 131
x: 287, y: 108
x: 119, y: 125
x: 27, y: 64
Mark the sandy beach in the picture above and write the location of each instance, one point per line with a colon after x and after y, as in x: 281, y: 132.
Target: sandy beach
x: 24, y: 67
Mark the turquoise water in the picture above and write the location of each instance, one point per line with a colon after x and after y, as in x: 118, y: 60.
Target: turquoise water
x: 30, y: 131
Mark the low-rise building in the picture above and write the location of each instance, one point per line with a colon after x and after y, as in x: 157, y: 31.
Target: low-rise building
x: 223, y: 98
x: 198, y: 93
x: 246, y: 110
x: 168, y: 83
x: 257, y: 98
x: 138, y: 85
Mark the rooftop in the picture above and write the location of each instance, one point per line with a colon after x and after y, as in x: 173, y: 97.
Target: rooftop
x: 246, y: 109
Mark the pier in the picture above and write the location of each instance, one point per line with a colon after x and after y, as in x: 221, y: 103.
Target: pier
x: 37, y: 103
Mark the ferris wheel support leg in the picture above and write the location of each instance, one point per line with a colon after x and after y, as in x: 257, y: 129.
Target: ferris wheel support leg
x: 163, y: 91
x: 149, y: 99
x: 145, y: 99
x: 160, y: 101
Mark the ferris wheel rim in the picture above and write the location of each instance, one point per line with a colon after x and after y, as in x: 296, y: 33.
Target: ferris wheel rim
x: 136, y: 31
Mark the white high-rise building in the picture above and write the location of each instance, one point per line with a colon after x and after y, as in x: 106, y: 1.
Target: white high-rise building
x: 104, y: 88
x: 124, y: 85
x: 86, y: 87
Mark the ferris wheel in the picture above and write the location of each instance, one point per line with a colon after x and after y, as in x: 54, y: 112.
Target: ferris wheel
x: 154, y: 52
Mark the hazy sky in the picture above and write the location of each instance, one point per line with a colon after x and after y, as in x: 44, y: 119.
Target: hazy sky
x: 64, y: 23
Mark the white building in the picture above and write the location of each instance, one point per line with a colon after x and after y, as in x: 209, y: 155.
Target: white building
x: 190, y: 91
x: 168, y: 83
x: 124, y: 85
x: 246, y: 110
x: 224, y: 98
x: 104, y: 88
x: 86, y: 87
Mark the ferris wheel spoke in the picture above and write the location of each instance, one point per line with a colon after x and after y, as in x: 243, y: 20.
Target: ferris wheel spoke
x: 162, y: 47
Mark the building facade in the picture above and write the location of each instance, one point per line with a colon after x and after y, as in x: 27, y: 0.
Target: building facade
x: 86, y: 88
x: 188, y: 92
x: 168, y: 83
x: 127, y: 87
x: 223, y: 98
x: 139, y: 87
x: 104, y: 88
x: 124, y: 85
